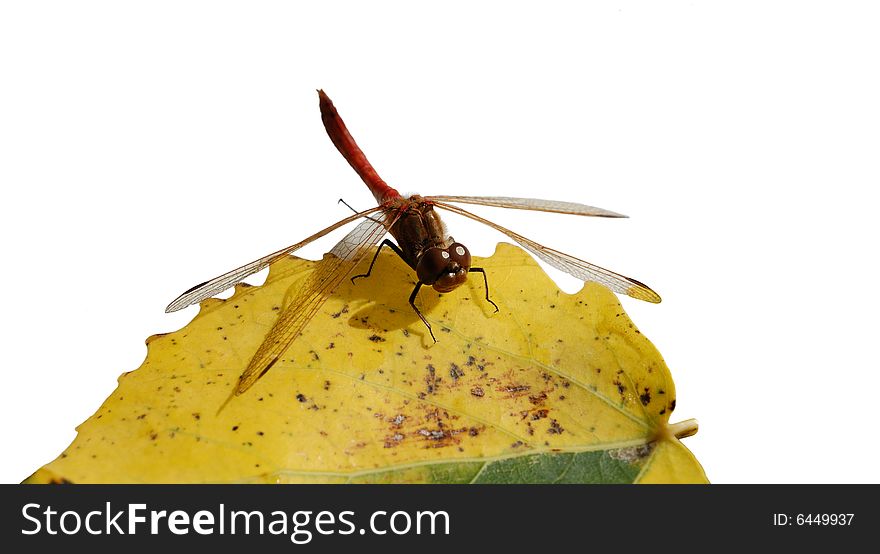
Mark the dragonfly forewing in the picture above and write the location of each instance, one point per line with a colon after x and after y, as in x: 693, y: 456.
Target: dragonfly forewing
x: 569, y: 264
x: 535, y: 204
x: 219, y: 284
x: 324, y: 279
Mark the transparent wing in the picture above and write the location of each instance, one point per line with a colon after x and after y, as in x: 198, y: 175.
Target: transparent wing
x: 536, y: 204
x: 328, y: 273
x: 223, y: 282
x: 569, y: 264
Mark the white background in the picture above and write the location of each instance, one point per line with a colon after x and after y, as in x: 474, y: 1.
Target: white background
x: 147, y: 147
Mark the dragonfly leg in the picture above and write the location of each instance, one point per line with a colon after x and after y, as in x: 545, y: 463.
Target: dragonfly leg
x: 387, y: 243
x: 412, y: 302
x: 486, y: 282
x: 341, y: 201
x: 344, y: 203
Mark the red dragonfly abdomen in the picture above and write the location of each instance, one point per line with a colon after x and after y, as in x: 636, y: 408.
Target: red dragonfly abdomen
x: 346, y: 145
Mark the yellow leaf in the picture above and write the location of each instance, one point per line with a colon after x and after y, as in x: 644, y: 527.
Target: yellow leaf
x: 553, y: 388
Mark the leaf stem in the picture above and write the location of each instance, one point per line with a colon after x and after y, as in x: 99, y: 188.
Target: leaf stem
x: 683, y: 429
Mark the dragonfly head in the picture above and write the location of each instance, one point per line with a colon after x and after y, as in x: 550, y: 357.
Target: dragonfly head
x: 444, y: 269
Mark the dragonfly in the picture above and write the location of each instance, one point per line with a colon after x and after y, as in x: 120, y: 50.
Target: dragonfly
x: 421, y: 241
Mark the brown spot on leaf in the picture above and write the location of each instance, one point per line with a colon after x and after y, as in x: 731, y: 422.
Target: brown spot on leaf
x: 540, y: 414
x: 431, y: 379
x: 538, y: 399
x: 513, y: 390
x: 393, y: 440
x: 455, y: 372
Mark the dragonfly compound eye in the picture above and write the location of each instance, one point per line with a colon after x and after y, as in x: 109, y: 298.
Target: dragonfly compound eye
x: 442, y: 268
x: 454, y: 272
x: 432, y: 265
x: 459, y: 253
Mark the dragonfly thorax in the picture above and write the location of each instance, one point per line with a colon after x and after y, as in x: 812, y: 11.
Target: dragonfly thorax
x: 444, y: 268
